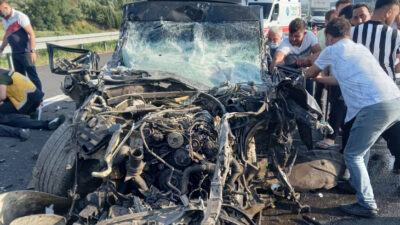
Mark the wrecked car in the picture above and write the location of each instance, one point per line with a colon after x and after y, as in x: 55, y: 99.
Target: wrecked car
x: 184, y: 125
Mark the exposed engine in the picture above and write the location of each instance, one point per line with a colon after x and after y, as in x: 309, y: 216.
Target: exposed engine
x: 150, y: 153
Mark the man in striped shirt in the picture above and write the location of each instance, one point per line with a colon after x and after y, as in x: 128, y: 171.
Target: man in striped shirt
x: 361, y: 14
x: 384, y: 43
x: 382, y: 40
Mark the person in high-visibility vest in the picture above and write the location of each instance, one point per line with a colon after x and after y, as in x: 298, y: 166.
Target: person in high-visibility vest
x: 20, y: 97
x: 18, y: 93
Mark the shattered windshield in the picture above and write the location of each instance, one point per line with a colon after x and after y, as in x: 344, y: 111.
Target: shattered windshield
x: 206, y: 53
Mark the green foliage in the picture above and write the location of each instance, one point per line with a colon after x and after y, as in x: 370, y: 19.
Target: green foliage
x: 50, y: 14
x: 58, y: 15
x: 107, y: 14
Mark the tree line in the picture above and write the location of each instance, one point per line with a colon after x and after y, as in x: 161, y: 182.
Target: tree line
x: 60, y: 14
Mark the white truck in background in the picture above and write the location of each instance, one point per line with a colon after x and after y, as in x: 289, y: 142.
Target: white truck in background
x: 278, y: 12
x: 317, y: 10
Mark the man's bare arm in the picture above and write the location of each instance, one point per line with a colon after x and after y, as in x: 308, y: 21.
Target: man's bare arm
x: 313, y: 71
x: 315, y: 50
x: 331, y: 80
x: 278, y: 59
x: 32, y: 41
x: 32, y: 37
x: 309, y: 60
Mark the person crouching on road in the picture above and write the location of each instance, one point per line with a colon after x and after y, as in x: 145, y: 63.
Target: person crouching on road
x: 18, y: 93
x: 19, y: 98
x: 372, y: 99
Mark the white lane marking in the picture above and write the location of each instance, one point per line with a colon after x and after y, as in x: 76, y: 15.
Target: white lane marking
x: 54, y: 99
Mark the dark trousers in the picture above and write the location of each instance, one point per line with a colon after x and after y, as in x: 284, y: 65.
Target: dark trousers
x: 22, y: 121
x: 23, y: 65
x: 7, y: 131
x: 33, y: 101
x: 337, y: 111
x: 391, y: 136
x: 318, y: 93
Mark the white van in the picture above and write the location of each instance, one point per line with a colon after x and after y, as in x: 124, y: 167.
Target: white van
x: 278, y: 12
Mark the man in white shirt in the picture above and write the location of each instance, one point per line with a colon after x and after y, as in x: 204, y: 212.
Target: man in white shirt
x: 372, y: 99
x: 300, y: 49
x: 21, y: 37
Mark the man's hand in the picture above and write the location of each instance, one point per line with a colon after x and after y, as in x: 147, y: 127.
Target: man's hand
x: 313, y: 71
x: 33, y: 57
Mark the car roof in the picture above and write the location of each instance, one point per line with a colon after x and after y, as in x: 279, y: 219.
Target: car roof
x: 190, y: 11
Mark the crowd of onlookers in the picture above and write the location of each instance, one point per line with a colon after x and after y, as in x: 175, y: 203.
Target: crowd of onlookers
x: 356, y: 58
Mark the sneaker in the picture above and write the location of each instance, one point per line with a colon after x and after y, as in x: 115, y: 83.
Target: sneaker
x: 359, y: 210
x: 56, y: 122
x: 24, y: 134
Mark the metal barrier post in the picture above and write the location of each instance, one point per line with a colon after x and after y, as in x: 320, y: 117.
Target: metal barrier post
x: 10, y: 61
x: 105, y: 46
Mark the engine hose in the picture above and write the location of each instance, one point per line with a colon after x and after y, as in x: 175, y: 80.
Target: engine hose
x: 134, y: 169
x: 159, y: 159
x: 208, y: 167
x: 212, y: 98
x: 237, y: 170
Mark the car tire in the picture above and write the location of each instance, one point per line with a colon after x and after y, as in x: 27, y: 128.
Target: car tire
x: 55, y: 167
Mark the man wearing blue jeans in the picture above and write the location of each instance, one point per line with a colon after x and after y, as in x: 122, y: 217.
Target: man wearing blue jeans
x: 372, y: 99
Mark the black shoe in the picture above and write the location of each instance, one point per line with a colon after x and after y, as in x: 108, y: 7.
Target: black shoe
x: 358, y: 210
x: 346, y: 187
x: 55, y: 123
x: 24, y: 134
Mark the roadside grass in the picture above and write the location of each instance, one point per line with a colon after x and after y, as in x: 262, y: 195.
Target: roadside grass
x: 43, y: 57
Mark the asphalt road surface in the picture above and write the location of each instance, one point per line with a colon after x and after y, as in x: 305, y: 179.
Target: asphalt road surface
x: 18, y: 158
